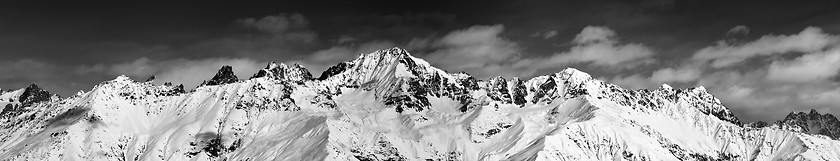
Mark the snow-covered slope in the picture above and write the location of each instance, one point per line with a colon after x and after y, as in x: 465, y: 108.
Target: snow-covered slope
x: 389, y: 105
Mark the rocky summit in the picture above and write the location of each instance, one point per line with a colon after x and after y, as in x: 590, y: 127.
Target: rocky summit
x: 807, y: 122
x: 390, y: 105
x: 224, y: 76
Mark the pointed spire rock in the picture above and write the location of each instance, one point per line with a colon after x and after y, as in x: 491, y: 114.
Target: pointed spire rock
x: 152, y: 78
x: 33, y: 94
x: 180, y: 88
x: 224, y: 76
x: 269, y: 70
x: 333, y: 70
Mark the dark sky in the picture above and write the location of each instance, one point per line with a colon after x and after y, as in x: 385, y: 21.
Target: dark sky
x: 68, y: 46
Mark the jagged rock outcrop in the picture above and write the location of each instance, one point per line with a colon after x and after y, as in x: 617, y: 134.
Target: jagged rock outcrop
x: 151, y: 78
x: 33, y: 94
x: 224, y: 76
x: 389, y: 105
x: 15, y: 101
x: 811, y: 123
x: 295, y: 73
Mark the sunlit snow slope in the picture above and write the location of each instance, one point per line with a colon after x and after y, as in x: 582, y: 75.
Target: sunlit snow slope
x: 388, y: 105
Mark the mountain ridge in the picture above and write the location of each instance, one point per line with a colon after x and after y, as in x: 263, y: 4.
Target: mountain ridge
x: 389, y: 105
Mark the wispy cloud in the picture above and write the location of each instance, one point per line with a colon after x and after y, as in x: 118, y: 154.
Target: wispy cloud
x: 545, y: 35
x: 738, y: 30
x: 477, y: 49
x: 24, y: 69
x: 279, y: 23
x: 725, y: 54
x: 682, y: 74
x: 595, y: 46
x: 809, y: 67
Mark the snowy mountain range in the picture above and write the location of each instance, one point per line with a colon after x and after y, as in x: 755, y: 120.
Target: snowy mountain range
x: 389, y: 105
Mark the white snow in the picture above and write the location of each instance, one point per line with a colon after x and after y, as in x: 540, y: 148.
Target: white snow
x: 580, y: 118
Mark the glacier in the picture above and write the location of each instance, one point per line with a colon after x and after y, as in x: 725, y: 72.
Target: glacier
x: 390, y: 105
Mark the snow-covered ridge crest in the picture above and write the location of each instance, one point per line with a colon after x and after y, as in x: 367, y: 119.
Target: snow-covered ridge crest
x: 389, y: 105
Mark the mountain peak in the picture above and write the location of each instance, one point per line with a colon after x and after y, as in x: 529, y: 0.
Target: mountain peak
x: 397, y: 51
x: 33, y: 86
x: 812, y: 122
x: 381, y: 63
x: 576, y: 76
x: 384, y: 55
x: 666, y: 87
x: 272, y: 65
x: 33, y: 94
x: 282, y: 71
x: 122, y: 78
x: 223, y: 76
x: 389, y: 105
x: 699, y: 89
x: 814, y: 112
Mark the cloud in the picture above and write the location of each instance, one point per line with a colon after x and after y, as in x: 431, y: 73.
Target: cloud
x: 478, y: 50
x: 738, y: 30
x: 661, y: 5
x: 683, y: 74
x: 190, y: 72
x: 593, y: 34
x: 393, y: 27
x: 807, y: 68
x: 278, y: 36
x: 16, y: 74
x: 724, y: 54
x: 276, y: 24
x: 823, y: 99
x: 748, y: 96
x: 417, y: 44
x: 599, y: 46
x: 635, y: 81
x: 282, y: 27
x: 765, y: 90
x: 768, y: 89
x: 24, y: 69
x: 754, y: 99
x: 481, y: 51
x: 344, y: 39
x: 545, y: 35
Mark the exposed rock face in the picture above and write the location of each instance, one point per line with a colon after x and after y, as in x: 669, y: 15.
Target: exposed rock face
x: 151, y: 78
x: 224, y: 76
x: 34, y: 94
x: 295, y: 73
x: 389, y: 105
x: 16, y: 101
x: 811, y: 123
